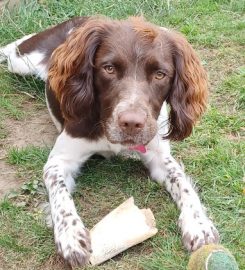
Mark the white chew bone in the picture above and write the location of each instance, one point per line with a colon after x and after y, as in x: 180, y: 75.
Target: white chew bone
x: 121, y: 229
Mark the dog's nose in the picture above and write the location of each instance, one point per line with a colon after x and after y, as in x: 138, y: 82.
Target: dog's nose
x: 131, y: 122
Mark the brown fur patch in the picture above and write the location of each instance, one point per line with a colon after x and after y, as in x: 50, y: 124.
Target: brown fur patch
x: 145, y: 29
x: 188, y: 97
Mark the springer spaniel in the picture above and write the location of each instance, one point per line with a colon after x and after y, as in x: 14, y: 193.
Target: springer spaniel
x: 107, y: 86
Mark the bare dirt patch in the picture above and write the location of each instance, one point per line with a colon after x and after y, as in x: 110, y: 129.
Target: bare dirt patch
x: 35, y: 129
x: 9, y: 3
x: 55, y: 263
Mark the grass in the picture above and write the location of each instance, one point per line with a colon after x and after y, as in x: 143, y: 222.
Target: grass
x: 213, y: 155
x: 234, y: 87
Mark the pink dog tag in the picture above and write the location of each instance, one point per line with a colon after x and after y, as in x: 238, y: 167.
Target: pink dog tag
x: 140, y: 148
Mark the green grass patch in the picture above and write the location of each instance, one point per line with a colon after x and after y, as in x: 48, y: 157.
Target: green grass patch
x: 205, y: 22
x: 15, y: 91
x: 9, y: 101
x: 29, y: 158
x: 233, y: 87
x: 23, y: 235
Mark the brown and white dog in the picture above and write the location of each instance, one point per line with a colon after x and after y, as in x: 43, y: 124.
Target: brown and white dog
x: 108, y: 83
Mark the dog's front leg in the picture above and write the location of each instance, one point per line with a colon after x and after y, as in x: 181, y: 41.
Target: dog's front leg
x: 71, y: 237
x: 197, y: 229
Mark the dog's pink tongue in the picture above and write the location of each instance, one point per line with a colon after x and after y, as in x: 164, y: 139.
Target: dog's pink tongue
x: 141, y: 148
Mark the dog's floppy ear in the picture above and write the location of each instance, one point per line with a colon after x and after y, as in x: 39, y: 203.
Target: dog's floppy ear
x: 188, y: 96
x: 71, y: 68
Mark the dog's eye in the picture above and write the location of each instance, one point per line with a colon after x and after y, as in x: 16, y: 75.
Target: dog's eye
x: 159, y: 75
x: 109, y: 69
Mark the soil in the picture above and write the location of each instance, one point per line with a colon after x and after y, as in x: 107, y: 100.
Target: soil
x: 10, y: 3
x: 35, y: 129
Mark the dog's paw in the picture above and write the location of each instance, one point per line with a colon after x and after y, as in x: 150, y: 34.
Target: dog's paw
x: 73, y: 242
x: 197, y: 230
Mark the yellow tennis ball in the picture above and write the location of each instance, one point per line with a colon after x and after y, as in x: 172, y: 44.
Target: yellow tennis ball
x: 212, y: 257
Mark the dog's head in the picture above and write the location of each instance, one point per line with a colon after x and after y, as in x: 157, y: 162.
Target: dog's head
x: 125, y: 70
